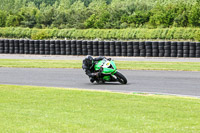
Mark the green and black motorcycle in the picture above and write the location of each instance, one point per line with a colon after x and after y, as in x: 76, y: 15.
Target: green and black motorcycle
x: 109, y: 72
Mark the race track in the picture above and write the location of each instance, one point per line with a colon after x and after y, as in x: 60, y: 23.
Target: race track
x: 157, y: 82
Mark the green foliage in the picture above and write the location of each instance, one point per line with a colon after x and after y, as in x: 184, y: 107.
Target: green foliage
x: 103, y: 34
x: 41, y: 34
x: 90, y: 21
x: 163, y: 15
x: 2, y: 18
x: 76, y: 15
x: 194, y: 15
x: 197, y: 36
x: 137, y: 19
x: 100, y: 14
x: 29, y: 16
x: 12, y: 20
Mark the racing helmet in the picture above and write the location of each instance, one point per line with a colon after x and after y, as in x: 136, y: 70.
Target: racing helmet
x: 88, y: 61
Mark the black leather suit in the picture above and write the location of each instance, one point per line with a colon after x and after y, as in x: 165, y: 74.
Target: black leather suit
x: 89, y: 70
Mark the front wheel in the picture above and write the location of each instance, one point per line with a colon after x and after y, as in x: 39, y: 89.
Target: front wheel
x: 121, y: 78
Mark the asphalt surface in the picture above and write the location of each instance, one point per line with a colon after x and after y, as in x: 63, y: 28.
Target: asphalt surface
x: 156, y: 82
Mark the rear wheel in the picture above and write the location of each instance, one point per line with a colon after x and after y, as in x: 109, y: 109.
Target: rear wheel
x: 121, y: 78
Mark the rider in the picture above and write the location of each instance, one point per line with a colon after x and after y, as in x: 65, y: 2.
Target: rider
x: 88, y: 66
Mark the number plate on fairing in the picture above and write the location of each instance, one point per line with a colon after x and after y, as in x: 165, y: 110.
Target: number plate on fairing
x: 106, y: 64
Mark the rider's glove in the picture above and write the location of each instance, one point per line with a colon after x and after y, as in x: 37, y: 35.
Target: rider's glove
x: 98, y: 74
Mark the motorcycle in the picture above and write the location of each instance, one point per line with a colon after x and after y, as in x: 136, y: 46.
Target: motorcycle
x: 109, y: 72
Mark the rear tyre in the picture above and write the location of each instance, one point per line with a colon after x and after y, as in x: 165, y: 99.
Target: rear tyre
x: 121, y: 78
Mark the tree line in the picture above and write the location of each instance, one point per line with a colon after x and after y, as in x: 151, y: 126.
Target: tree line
x: 99, y: 14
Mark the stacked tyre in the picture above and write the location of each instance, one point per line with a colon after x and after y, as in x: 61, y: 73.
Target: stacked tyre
x: 62, y: 47
x: 155, y: 49
x: 42, y: 47
x: 112, y: 48
x: 6, y: 46
x: 124, y: 48
x: 84, y: 47
x: 11, y: 46
x: 118, y: 48
x: 79, y: 47
x: 142, y: 49
x: 186, y: 49
x: 31, y: 47
x: 47, y: 47
x: 129, y: 48
x: 161, y: 49
x: 167, y: 48
x: 89, y: 47
x: 21, y: 46
x: 95, y: 48
x: 36, y: 46
x: 73, y: 47
x: 148, y: 47
x: 180, y: 49
x: 1, y: 46
x: 101, y: 48
x: 16, y: 46
x: 192, y: 49
x: 26, y: 47
x: 57, y: 47
x: 173, y: 49
x: 52, y: 47
x: 198, y: 49
x: 136, y: 50
x: 68, y: 47
x: 107, y: 48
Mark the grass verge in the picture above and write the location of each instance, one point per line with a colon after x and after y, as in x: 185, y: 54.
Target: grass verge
x: 128, y: 65
x: 42, y: 109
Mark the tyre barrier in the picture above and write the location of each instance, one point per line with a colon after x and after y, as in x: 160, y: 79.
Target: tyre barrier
x: 101, y: 48
x: 112, y: 48
x: 142, y: 49
x: 136, y: 50
x: 106, y: 48
x: 124, y: 48
x: 68, y: 47
x: 130, y: 50
x: 148, y: 47
x: 79, y: 47
x: 118, y: 48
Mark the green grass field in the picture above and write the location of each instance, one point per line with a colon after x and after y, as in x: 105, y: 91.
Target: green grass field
x: 129, y: 65
x: 42, y: 109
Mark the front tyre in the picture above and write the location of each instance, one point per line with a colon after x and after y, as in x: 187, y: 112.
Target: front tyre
x: 121, y: 78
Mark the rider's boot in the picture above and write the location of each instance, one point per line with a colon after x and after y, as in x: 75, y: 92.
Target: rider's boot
x: 92, y: 80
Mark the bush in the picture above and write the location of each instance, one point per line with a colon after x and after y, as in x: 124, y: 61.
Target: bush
x: 12, y: 20
x: 102, y: 34
x: 41, y: 34
x: 2, y: 18
x: 194, y: 15
x: 197, y: 36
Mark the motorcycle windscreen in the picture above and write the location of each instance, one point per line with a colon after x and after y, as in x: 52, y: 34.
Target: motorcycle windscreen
x: 98, y: 65
x: 110, y: 68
